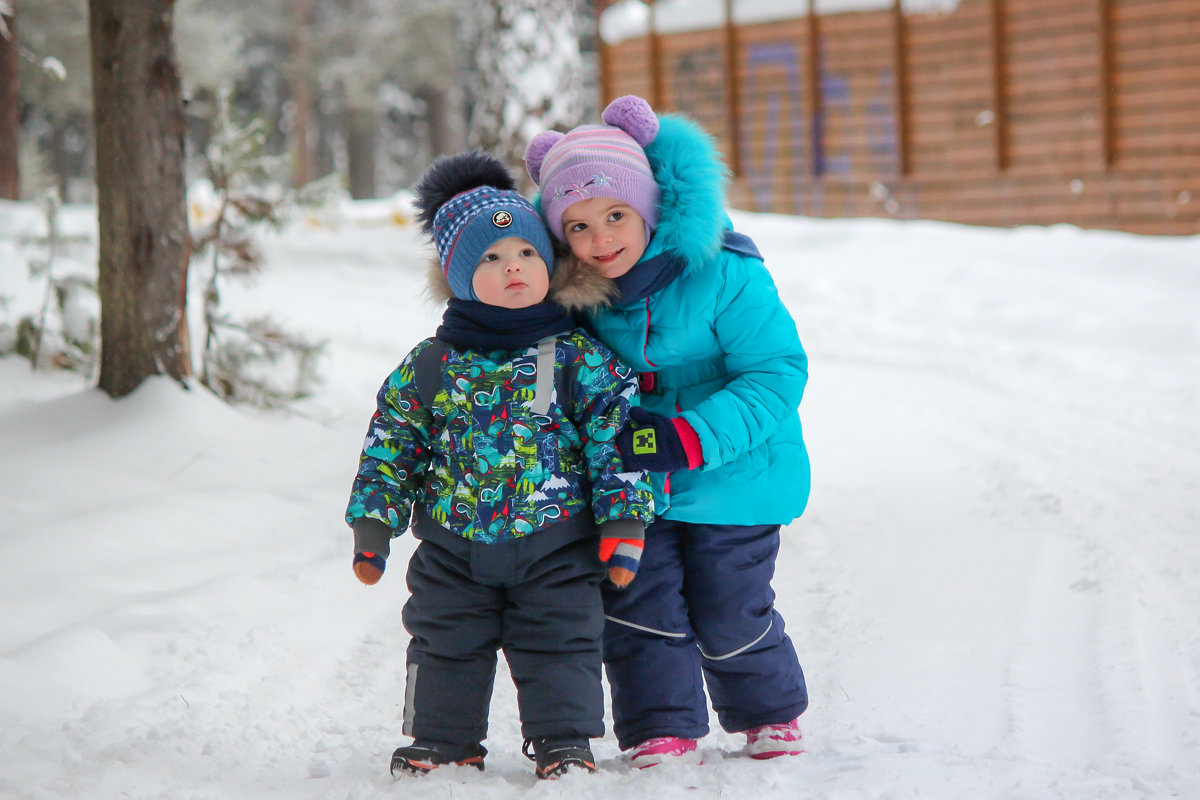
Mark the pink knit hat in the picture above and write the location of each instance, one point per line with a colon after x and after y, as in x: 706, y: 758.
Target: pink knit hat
x: 598, y: 161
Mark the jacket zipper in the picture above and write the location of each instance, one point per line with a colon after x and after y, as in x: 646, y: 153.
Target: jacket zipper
x: 646, y: 340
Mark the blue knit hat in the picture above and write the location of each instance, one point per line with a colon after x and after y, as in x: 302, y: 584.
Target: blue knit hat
x: 471, y: 222
x: 467, y: 203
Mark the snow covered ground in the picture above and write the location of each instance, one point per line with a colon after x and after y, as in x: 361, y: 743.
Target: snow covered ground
x: 994, y: 591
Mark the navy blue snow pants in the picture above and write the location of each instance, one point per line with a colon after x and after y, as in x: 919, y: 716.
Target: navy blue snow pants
x: 537, y: 598
x: 701, y: 609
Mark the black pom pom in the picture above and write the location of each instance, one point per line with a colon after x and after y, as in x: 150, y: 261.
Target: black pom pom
x: 451, y: 175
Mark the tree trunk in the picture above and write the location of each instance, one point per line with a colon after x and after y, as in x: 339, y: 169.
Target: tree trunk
x: 140, y: 193
x: 524, y: 76
x: 10, y: 108
x: 447, y: 123
x: 302, y: 96
x: 362, y: 126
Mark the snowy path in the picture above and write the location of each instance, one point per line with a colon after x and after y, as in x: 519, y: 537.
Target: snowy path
x: 993, y: 591
x: 1004, y: 542
x: 972, y: 608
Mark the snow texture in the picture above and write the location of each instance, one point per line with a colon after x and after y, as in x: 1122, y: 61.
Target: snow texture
x: 993, y: 592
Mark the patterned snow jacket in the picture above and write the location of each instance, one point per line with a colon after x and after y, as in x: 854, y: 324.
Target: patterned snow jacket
x: 456, y: 433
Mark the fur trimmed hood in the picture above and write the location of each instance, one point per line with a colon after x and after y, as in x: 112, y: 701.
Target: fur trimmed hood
x: 575, y: 286
x: 692, y: 178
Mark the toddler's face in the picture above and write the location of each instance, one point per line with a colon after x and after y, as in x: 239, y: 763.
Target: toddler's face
x: 606, y: 233
x: 511, y: 274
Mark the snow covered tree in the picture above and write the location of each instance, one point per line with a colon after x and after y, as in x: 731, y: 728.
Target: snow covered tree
x: 10, y: 102
x: 384, y: 83
x: 141, y: 197
x: 64, y: 333
x: 380, y: 79
x: 254, y: 361
x: 397, y: 54
x: 355, y: 62
x: 528, y: 74
x: 56, y: 91
x: 211, y: 42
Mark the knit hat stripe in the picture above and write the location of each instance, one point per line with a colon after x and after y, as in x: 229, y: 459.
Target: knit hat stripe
x: 472, y: 203
x: 616, y: 157
x: 596, y: 133
x: 623, y: 154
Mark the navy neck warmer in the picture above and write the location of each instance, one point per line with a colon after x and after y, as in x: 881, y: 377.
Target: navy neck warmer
x: 649, y: 276
x: 478, y: 326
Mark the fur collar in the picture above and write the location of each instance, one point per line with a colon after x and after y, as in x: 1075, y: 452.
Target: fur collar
x: 692, y: 178
x: 575, y: 285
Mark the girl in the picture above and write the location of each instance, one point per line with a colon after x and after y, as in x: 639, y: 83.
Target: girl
x: 640, y: 199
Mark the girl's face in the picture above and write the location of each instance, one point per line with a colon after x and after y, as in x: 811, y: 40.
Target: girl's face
x: 511, y: 274
x: 605, y: 233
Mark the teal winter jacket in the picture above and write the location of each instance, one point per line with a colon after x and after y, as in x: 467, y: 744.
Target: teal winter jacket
x: 722, y: 348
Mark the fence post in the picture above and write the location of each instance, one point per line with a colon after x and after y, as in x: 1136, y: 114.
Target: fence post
x: 733, y: 90
x: 656, y: 77
x: 1104, y: 116
x: 812, y: 81
x: 999, y: 84
x: 602, y: 66
x: 900, y: 86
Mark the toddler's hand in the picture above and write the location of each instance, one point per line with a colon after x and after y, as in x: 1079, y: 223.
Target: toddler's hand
x: 622, y: 555
x: 369, y: 567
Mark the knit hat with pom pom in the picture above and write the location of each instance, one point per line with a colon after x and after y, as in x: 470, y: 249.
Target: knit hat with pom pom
x: 598, y: 161
x: 467, y: 203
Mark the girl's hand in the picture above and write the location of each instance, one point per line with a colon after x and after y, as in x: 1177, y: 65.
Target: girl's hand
x: 656, y: 443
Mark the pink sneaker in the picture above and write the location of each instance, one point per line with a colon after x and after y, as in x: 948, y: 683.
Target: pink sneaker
x: 772, y: 741
x: 672, y: 749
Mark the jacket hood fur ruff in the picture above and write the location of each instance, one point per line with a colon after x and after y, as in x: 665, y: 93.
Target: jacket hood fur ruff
x: 692, y: 178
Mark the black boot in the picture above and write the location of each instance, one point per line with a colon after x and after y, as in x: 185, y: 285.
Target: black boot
x: 422, y: 757
x: 556, y: 756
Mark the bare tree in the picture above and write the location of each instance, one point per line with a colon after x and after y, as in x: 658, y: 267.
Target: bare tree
x: 10, y: 102
x: 141, y: 195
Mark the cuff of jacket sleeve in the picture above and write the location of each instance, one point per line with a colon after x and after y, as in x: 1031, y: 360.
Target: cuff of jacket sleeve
x: 691, y: 442
x: 622, y: 529
x: 372, y: 536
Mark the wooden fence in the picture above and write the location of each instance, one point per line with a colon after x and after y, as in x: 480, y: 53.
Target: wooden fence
x: 999, y: 112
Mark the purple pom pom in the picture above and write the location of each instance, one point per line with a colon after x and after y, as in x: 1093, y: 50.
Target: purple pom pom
x: 536, y: 152
x: 633, y: 115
